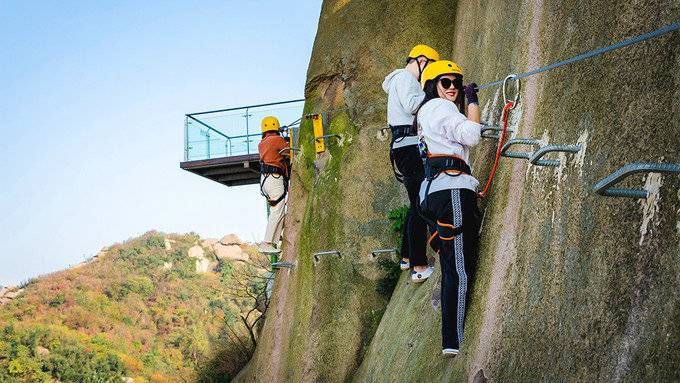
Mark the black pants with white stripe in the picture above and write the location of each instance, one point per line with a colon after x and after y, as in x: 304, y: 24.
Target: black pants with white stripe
x: 414, y: 232
x: 458, y: 220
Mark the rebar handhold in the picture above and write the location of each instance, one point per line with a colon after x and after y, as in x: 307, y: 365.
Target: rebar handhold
x: 519, y: 141
x: 288, y: 265
x: 535, y: 158
x: 604, y: 186
x: 377, y: 252
x: 327, y: 252
x: 327, y: 136
x: 490, y: 128
x: 270, y: 252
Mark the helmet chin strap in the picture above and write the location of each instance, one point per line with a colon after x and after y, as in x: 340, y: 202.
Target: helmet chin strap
x: 420, y: 71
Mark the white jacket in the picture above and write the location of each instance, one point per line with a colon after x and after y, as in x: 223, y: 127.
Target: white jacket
x: 404, y: 94
x: 447, y: 131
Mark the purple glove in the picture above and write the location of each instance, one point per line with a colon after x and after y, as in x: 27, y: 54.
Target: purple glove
x: 471, y: 93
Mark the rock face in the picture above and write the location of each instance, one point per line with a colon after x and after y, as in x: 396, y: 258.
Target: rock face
x: 168, y: 243
x: 42, y: 351
x: 13, y: 294
x: 571, y: 286
x: 208, y: 242
x: 7, y: 294
x: 196, y: 252
x: 203, y: 264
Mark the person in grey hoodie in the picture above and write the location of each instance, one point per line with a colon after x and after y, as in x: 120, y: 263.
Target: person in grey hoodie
x: 404, y: 95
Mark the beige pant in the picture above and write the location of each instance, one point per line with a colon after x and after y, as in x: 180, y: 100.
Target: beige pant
x: 274, y: 188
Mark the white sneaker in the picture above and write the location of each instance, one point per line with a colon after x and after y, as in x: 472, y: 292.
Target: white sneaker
x: 449, y: 352
x: 421, y: 276
x: 404, y: 265
x: 268, y: 248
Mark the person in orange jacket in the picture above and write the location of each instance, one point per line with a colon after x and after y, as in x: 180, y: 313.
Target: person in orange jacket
x: 274, y: 153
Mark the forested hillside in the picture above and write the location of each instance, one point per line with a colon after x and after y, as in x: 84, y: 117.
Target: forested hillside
x: 159, y: 308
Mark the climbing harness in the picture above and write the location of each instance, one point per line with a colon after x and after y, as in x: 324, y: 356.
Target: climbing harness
x: 273, y: 171
x: 452, y: 166
x: 399, y: 132
x: 436, y: 164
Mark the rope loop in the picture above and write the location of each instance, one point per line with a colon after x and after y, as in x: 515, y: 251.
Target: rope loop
x: 509, y: 105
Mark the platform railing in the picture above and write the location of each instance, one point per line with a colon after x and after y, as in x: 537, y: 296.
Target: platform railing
x: 234, y: 131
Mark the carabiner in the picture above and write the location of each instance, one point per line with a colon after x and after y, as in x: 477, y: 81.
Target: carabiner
x: 518, y: 87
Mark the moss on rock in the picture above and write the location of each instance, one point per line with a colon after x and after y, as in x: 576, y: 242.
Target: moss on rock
x: 571, y: 286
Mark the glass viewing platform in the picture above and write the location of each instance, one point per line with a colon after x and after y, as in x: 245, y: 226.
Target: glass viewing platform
x: 222, y: 144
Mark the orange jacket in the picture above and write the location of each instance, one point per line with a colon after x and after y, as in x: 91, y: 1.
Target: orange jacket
x: 269, y: 149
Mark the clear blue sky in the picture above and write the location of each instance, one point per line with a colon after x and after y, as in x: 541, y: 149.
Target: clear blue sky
x: 92, y: 98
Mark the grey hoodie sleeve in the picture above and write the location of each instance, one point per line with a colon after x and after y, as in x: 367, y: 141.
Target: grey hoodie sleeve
x: 409, y: 92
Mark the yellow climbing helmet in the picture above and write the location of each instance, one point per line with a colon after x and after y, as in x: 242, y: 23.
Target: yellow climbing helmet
x: 270, y: 124
x: 437, y: 69
x: 423, y: 50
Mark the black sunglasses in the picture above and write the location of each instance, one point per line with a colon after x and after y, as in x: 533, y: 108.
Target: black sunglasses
x: 447, y: 83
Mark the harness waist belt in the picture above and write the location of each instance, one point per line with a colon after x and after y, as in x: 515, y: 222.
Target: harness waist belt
x: 265, y: 168
x: 399, y: 131
x: 438, y: 164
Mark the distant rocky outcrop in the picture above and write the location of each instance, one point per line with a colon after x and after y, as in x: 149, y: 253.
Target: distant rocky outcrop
x: 209, y: 242
x: 167, y: 242
x: 41, y: 351
x: 230, y: 252
x: 203, y: 264
x: 231, y: 239
x: 229, y: 248
x: 7, y: 294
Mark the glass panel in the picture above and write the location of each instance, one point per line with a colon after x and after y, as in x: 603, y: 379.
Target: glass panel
x: 234, y: 132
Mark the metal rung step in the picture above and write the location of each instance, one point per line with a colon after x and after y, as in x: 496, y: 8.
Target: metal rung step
x: 535, y: 157
x: 604, y: 186
x: 283, y: 264
x: 323, y: 253
x: 378, y: 252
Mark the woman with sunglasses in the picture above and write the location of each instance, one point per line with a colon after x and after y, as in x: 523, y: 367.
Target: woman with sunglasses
x: 404, y: 94
x: 448, y: 195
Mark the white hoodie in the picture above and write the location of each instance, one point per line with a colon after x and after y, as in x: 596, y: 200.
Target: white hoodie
x: 404, y: 94
x: 447, y: 131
